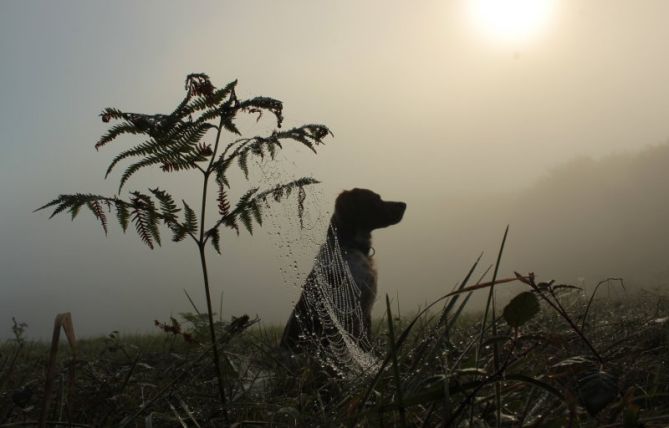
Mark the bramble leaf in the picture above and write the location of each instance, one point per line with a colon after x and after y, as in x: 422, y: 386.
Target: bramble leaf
x: 521, y: 309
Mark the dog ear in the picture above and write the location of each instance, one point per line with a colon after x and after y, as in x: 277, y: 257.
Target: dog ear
x: 344, y: 212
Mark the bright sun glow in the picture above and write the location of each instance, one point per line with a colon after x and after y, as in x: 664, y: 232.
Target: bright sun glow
x: 511, y: 20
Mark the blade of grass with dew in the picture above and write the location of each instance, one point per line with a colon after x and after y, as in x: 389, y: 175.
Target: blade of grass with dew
x: 192, y: 303
x: 407, y: 330
x: 451, y: 303
x: 490, y: 304
x: 396, y: 368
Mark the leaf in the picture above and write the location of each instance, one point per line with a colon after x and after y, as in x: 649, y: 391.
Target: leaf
x: 178, y: 232
x: 210, y: 100
x: 246, y: 220
x: 215, y: 237
x: 168, y: 207
x: 74, y: 210
x: 308, y: 135
x: 256, y: 212
x: 115, y: 131
x: 177, y: 150
x: 256, y: 105
x: 243, y: 163
x: 132, y: 169
x: 521, y: 309
x: 230, y: 126
x: 145, y: 218
x: 190, y: 218
x: 231, y: 222
x: 123, y: 216
x: 223, y: 203
x: 142, y: 149
x: 98, y: 212
x: 597, y: 390
x: 142, y: 227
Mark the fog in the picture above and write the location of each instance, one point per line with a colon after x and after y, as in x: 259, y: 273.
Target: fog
x: 562, y: 136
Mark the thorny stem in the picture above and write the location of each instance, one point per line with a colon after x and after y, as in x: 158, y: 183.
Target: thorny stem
x: 574, y: 327
x: 562, y: 312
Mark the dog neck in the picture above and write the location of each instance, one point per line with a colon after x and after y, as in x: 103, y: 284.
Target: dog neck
x: 351, y: 238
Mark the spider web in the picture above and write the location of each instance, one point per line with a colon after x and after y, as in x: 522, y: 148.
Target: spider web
x: 331, y: 294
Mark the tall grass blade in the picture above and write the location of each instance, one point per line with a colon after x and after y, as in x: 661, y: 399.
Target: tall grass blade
x: 592, y: 297
x: 490, y: 305
x: 451, y: 303
x: 396, y: 368
x: 192, y: 303
x: 62, y: 321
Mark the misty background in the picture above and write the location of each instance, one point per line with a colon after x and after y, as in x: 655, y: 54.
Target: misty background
x: 564, y: 137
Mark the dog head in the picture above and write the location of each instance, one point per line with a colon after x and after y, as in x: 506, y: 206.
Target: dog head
x: 361, y: 210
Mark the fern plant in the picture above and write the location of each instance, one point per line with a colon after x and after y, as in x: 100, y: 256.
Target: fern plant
x: 176, y: 142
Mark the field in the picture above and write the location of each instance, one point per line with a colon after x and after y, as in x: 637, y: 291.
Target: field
x: 577, y: 362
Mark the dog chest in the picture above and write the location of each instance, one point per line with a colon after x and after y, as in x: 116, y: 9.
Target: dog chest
x: 364, y: 274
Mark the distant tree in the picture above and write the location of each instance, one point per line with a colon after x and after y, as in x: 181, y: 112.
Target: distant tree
x: 175, y: 142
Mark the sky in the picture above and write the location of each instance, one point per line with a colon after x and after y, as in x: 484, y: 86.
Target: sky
x: 426, y: 106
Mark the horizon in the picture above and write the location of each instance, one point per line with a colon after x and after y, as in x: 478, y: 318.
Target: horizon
x: 425, y: 108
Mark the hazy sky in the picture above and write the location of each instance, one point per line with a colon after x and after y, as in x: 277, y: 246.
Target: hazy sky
x: 425, y: 107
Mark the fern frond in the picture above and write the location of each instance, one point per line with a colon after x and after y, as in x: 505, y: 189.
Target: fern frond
x: 247, y: 221
x: 179, y: 232
x: 199, y: 84
x: 145, y: 217
x: 177, y: 114
x: 111, y: 113
x: 258, y: 104
x: 215, y: 237
x: 242, y: 161
x: 188, y: 161
x: 142, y: 228
x: 220, y: 167
x: 231, y: 222
x: 211, y: 101
x: 140, y: 205
x: 98, y: 212
x: 190, y: 219
x: 145, y: 148
x: 223, y: 203
x: 74, y: 202
x: 74, y: 211
x: 123, y: 216
x: 168, y: 147
x: 134, y: 123
x: 115, y: 131
x: 170, y: 161
x: 245, y: 198
x: 256, y: 211
x: 192, y: 133
x: 249, y: 206
x: 308, y: 135
x: 168, y: 207
x: 132, y: 169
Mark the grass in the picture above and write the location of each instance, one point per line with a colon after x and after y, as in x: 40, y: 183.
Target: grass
x: 441, y: 371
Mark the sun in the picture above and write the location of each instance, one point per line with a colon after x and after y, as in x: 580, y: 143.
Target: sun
x: 511, y: 20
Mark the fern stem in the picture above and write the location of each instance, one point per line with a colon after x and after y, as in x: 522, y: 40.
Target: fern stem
x: 201, y: 247
x: 212, y: 332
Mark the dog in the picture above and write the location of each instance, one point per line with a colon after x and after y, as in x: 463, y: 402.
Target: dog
x: 357, y: 213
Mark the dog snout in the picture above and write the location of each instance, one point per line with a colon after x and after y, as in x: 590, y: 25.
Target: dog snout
x: 396, y: 211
